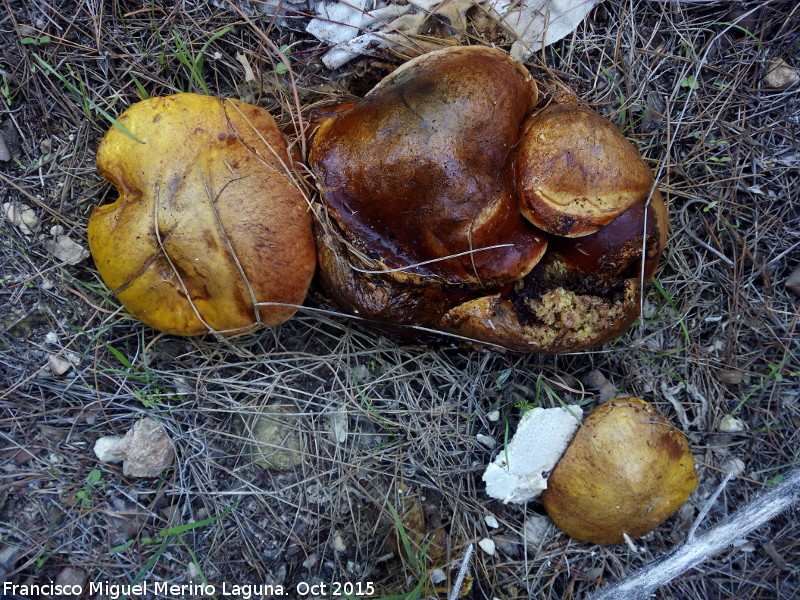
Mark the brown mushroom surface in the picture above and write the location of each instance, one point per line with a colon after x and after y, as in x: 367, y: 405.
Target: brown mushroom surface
x: 610, y: 251
x: 438, y: 160
x: 625, y: 472
x: 208, y: 224
x: 416, y: 172
x: 576, y: 171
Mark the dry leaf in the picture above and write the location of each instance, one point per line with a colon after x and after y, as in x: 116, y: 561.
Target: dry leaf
x: 535, y: 23
x: 64, y: 248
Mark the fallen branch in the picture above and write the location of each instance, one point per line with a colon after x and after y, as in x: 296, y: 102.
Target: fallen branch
x: 697, y: 549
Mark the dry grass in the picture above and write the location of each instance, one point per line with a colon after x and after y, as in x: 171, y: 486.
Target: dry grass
x: 721, y: 337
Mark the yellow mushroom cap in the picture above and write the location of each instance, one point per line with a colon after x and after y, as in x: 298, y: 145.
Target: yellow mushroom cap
x: 626, y: 471
x: 209, y: 222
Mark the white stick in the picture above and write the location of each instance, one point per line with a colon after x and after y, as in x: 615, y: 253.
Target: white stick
x: 462, y: 572
x: 697, y: 549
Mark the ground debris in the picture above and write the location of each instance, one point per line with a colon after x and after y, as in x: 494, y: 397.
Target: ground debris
x: 5, y: 153
x: 355, y: 31
x: 65, y: 248
x: 793, y: 281
x: 73, y: 577
x: 58, y: 365
x: 23, y: 217
x: 145, y: 451
x: 273, y: 437
x: 779, y: 74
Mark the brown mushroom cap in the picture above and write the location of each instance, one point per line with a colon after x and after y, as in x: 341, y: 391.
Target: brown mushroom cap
x: 348, y: 278
x: 208, y: 222
x: 415, y: 172
x: 626, y: 471
x: 576, y: 171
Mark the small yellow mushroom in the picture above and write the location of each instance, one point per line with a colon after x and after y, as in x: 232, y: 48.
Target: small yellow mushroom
x: 626, y: 471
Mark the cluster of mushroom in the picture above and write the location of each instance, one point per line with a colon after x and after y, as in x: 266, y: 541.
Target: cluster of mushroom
x: 447, y: 202
x: 452, y: 206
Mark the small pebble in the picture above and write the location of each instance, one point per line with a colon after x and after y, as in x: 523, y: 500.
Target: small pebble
x: 487, y: 546
x: 59, y: 366
x: 486, y: 440
x: 730, y: 424
x: 107, y: 449
x: 437, y: 576
x: 730, y: 376
x: 72, y: 577
x: 148, y: 449
x: 491, y: 521
x: 779, y: 74
x: 338, y: 543
x: 734, y: 466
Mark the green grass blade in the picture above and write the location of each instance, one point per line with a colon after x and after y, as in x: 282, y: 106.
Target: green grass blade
x: 179, y: 529
x: 149, y: 564
x: 84, y: 98
x: 410, y: 554
x: 685, y: 330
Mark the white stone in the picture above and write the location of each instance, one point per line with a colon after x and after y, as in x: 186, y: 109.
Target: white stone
x: 487, y: 546
x: 58, y: 365
x: 486, y: 440
x: 730, y: 424
x: 107, y: 449
x: 520, y: 470
x: 494, y: 416
x: 491, y: 521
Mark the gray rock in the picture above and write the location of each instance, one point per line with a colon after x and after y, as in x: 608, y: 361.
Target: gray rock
x: 72, y: 577
x: 148, y: 449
